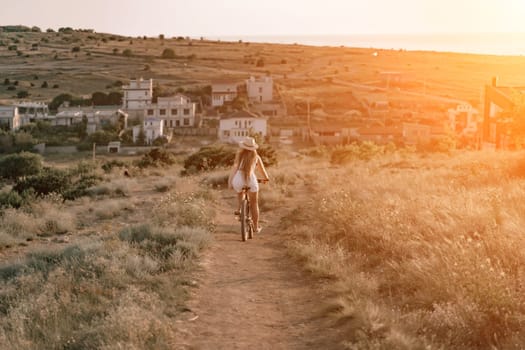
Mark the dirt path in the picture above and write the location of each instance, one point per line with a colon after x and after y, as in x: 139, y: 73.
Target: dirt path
x: 252, y: 296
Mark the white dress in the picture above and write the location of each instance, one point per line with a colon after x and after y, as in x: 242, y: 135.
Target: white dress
x: 238, y: 181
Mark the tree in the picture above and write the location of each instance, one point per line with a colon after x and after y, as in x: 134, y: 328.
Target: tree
x: 161, y: 36
x: 22, y: 94
x: 99, y: 98
x: 21, y: 164
x: 168, y: 53
x: 44, y: 85
x: 114, y: 98
x: 58, y: 100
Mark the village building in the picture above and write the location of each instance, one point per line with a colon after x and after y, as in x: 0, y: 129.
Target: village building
x: 259, y: 89
x: 137, y: 96
x: 174, y: 112
x: 31, y: 112
x: 415, y: 133
x: 498, y: 114
x: 114, y: 147
x: 95, y: 117
x: 152, y: 129
x: 421, y: 134
x: 67, y: 118
x: 223, y: 91
x: 10, y: 118
x: 380, y: 134
x: 463, y: 120
x: 236, y: 126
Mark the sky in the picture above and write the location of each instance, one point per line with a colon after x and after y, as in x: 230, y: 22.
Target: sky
x: 215, y: 18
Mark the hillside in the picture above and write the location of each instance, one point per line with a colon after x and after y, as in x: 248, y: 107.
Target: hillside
x: 81, y: 63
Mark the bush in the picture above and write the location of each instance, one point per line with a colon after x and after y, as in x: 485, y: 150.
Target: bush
x: 357, y: 151
x: 168, y: 53
x: 208, y: 158
x: 109, y: 165
x: 48, y: 181
x: 156, y: 157
x: 127, y: 53
x: 18, y: 165
x: 22, y: 94
x: 11, y: 200
x: 268, y: 155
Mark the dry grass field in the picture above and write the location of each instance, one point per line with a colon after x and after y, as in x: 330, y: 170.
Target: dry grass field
x: 108, y: 270
x: 423, y: 252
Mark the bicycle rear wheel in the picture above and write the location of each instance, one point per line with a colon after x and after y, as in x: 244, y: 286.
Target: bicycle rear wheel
x: 249, y: 222
x: 244, y: 220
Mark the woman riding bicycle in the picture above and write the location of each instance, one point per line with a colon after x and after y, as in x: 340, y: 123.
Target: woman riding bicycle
x: 247, y: 161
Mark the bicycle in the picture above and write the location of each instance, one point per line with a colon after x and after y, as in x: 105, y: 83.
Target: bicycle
x: 245, y: 217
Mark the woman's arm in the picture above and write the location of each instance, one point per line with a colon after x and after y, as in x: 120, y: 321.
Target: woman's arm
x: 262, y: 169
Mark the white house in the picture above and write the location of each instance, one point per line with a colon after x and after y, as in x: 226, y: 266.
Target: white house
x: 223, y: 91
x: 95, y: 116
x: 68, y: 117
x: 236, y: 126
x: 137, y: 95
x: 464, y: 119
x: 260, y: 89
x: 32, y: 111
x: 175, y: 112
x: 9, y: 117
x: 152, y: 128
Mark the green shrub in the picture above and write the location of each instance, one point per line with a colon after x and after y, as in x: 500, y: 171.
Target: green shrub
x: 209, y: 158
x: 109, y: 165
x: 268, y: 155
x: 19, y: 165
x: 156, y: 157
x: 168, y: 53
x: 49, y: 180
x: 11, y: 199
x: 358, y: 151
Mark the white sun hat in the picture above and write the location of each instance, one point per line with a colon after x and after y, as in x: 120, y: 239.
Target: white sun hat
x: 249, y: 144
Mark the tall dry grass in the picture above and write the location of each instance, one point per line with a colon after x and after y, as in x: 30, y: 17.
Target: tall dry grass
x: 42, y: 218
x: 104, y: 294
x: 424, y: 252
x: 107, y: 290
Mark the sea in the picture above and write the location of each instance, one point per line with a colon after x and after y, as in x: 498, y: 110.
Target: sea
x: 512, y: 44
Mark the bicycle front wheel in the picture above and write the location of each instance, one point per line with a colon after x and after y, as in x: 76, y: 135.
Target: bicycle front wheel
x: 244, y: 220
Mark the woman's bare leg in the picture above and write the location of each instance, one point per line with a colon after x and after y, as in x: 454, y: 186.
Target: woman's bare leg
x: 254, y: 208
